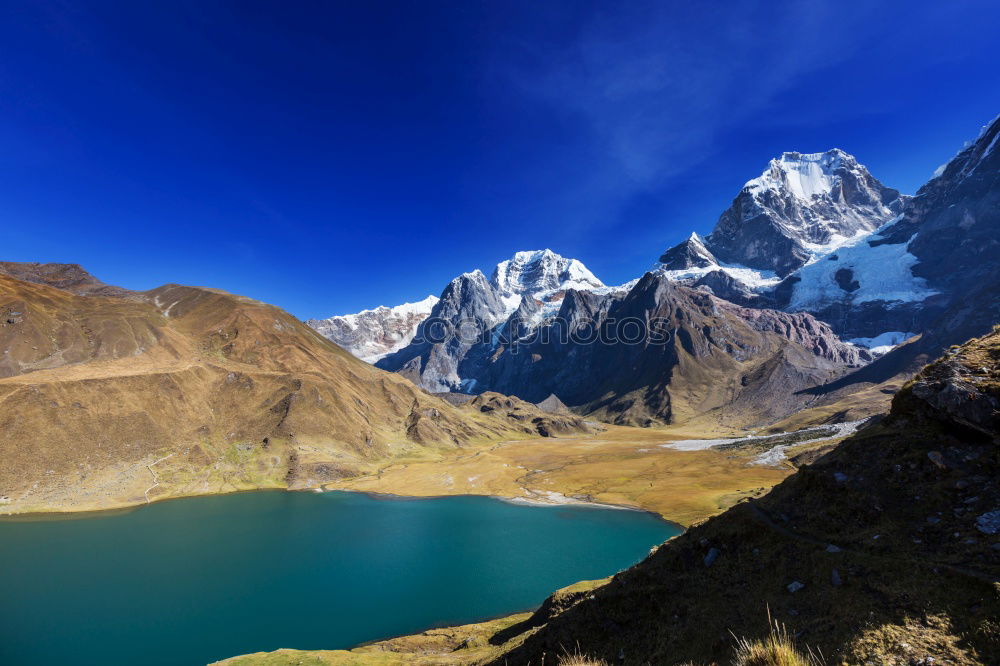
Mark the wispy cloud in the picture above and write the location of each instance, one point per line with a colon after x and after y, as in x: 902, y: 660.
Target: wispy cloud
x: 655, y: 84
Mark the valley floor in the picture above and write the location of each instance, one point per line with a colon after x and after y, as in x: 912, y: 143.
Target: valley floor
x: 621, y: 466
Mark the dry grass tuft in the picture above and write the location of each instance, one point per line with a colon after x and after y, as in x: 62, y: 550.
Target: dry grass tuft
x: 777, y: 649
x: 578, y: 659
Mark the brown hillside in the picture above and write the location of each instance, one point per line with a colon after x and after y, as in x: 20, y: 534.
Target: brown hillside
x: 114, y: 400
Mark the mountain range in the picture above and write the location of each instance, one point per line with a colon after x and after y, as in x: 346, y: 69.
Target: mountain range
x: 802, y: 294
x: 219, y: 391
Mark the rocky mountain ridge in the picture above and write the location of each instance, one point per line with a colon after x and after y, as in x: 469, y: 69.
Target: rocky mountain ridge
x: 522, y: 293
x: 814, y: 234
x: 892, y: 280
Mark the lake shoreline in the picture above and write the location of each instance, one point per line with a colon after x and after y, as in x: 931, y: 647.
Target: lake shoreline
x: 86, y: 514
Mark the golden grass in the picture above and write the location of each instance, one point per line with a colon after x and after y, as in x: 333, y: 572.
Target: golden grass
x: 450, y: 646
x: 623, y: 466
x: 580, y: 660
x: 777, y: 649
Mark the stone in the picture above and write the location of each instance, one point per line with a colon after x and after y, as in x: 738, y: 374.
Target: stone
x: 795, y: 586
x: 936, y: 458
x: 989, y: 522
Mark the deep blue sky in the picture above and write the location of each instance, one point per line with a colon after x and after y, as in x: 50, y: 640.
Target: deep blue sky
x: 331, y: 156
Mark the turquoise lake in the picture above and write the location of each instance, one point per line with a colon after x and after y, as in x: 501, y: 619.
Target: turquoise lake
x: 195, y: 580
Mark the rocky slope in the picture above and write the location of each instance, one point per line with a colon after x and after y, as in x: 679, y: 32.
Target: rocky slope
x: 114, y: 400
x: 692, y: 355
x: 516, y: 325
x: 539, y: 275
x: 373, y: 334
x: 68, y: 277
x: 815, y: 233
x: 886, y: 550
x: 872, y: 271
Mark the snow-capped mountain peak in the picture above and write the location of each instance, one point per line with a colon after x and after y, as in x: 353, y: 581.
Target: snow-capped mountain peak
x: 372, y: 334
x: 805, y: 175
x: 803, y: 206
x: 534, y: 271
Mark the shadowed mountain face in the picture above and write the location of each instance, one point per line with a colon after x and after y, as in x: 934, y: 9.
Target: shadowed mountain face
x: 218, y: 391
x: 815, y: 233
x: 664, y: 353
x: 522, y: 292
x: 657, y: 353
x: 649, y: 353
x: 885, y: 550
x: 722, y: 360
x: 931, y: 263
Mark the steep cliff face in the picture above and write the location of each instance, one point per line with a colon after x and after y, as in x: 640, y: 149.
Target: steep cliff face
x: 935, y: 268
x: 883, y: 551
x: 536, y: 271
x: 873, y: 264
x: 469, y: 307
x: 800, y: 206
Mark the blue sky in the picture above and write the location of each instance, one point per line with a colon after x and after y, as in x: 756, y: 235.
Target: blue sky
x: 332, y: 156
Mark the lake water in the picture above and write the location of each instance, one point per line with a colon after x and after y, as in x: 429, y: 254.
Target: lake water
x: 194, y: 580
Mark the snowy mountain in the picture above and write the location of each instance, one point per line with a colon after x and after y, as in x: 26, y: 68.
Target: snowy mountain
x: 541, y: 270
x: 531, y: 282
x: 371, y: 334
x: 807, y: 286
x: 875, y: 265
x: 522, y: 293
x: 709, y: 351
x: 801, y: 207
x: 933, y: 268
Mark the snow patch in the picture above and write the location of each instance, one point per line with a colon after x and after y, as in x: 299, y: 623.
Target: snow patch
x: 882, y: 343
x: 881, y: 273
x: 753, y: 279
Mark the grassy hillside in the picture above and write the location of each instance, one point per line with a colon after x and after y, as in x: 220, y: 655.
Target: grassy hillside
x: 111, y: 400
